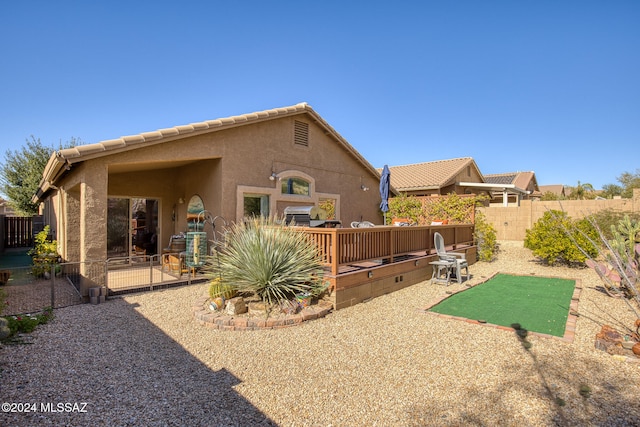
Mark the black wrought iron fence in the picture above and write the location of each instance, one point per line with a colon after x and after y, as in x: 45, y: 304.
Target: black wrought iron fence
x: 32, y: 289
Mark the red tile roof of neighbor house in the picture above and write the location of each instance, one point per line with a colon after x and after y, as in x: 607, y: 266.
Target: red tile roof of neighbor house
x: 428, y: 175
x: 557, y: 189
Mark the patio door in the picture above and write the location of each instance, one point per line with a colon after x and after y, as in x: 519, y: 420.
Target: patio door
x: 132, y: 226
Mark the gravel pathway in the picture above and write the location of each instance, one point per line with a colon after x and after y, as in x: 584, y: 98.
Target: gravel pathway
x: 142, y: 360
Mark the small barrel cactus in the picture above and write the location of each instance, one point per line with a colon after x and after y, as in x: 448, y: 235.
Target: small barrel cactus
x: 219, y: 288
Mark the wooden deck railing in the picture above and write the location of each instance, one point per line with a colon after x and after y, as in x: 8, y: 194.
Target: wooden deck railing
x: 344, y: 246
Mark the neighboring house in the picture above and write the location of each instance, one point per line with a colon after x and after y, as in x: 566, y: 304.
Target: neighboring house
x: 5, y: 208
x: 103, y: 199
x: 462, y: 176
x: 556, y: 189
x: 522, y: 186
x: 439, y: 177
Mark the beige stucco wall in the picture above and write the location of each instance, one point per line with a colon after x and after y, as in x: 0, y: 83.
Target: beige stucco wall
x: 218, y: 166
x: 512, y: 222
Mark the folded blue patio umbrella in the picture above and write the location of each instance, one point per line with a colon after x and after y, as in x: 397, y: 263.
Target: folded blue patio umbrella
x: 384, y: 192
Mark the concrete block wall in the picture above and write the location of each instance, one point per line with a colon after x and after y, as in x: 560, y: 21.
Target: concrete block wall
x: 511, y: 222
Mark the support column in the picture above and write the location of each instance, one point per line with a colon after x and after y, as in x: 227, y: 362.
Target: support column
x: 93, y: 227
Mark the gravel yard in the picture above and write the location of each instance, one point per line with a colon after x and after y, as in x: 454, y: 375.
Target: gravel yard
x: 142, y: 360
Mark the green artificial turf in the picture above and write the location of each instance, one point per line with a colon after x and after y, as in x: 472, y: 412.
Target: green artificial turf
x: 538, y: 304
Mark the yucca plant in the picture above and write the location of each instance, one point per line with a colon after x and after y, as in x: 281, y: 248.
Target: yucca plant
x: 270, y: 260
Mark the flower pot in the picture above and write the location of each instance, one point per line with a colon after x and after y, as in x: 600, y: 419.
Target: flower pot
x: 217, y: 304
x: 304, y: 300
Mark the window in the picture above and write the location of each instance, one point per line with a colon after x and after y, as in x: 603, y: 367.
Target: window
x: 297, y: 186
x: 256, y: 205
x: 329, y: 206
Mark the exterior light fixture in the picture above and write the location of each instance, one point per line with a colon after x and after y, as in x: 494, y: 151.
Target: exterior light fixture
x: 370, y: 274
x: 363, y: 188
x: 273, y: 176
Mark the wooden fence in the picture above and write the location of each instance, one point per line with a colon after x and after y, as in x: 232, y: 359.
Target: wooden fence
x: 18, y: 232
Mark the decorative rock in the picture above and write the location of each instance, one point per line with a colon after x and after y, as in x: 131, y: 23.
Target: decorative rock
x: 258, y: 308
x: 636, y: 349
x: 236, y: 306
x: 610, y: 340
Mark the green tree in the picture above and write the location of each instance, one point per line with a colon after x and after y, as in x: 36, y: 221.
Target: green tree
x: 549, y: 195
x: 22, y: 171
x: 611, y: 190
x: 629, y: 181
x: 582, y: 191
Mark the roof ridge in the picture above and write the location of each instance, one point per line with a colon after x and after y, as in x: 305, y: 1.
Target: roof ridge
x: 127, y: 140
x: 433, y: 161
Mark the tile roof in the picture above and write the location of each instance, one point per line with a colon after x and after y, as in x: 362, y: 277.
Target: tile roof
x: 519, y: 179
x: 160, y: 135
x: 557, y: 189
x: 428, y: 175
x: 64, y: 159
x: 501, y: 178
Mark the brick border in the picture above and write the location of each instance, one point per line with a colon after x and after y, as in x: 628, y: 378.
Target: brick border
x: 572, y: 317
x: 210, y: 319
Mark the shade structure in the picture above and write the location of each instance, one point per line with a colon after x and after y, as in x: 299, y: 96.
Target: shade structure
x: 384, y: 192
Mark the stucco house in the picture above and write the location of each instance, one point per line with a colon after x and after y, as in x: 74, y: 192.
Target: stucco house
x: 462, y: 176
x: 103, y: 199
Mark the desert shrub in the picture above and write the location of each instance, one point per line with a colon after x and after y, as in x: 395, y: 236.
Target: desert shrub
x: 606, y: 220
x: 270, y: 260
x: 485, y: 237
x: 549, y: 239
x: 28, y: 322
x: 44, y: 253
x: 43, y: 245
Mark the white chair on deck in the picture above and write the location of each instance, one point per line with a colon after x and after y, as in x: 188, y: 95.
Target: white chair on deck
x: 457, y: 260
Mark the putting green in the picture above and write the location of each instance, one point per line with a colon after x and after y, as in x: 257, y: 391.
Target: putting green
x: 538, y: 304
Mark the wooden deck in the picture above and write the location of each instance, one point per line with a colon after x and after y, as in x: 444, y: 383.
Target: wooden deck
x: 359, y: 263
x: 363, y: 263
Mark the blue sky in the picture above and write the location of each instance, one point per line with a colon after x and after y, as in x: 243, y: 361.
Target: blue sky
x: 547, y: 86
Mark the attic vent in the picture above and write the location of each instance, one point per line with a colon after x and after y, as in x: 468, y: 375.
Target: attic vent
x: 301, y: 133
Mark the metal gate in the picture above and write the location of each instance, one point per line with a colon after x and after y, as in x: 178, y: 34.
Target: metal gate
x: 31, y: 290
x: 18, y: 232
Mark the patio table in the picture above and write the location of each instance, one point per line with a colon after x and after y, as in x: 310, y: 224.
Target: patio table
x: 442, y: 271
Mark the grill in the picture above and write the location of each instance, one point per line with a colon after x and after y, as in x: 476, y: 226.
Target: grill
x: 308, y: 216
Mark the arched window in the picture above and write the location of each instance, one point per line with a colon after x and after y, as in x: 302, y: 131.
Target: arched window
x: 297, y: 186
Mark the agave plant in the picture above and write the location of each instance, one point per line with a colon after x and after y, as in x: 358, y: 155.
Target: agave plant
x: 270, y: 260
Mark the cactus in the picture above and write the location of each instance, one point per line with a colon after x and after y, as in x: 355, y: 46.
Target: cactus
x: 218, y: 288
